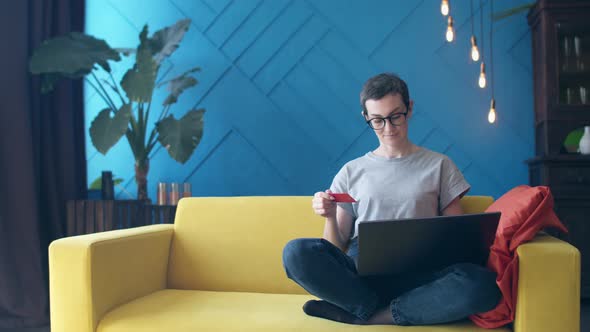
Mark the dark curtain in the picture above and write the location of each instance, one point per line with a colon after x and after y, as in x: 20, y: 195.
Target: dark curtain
x: 42, y: 158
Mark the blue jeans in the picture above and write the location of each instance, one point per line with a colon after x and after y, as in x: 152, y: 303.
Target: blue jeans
x: 443, y: 296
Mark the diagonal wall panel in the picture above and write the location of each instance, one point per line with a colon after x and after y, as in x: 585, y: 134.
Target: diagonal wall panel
x: 246, y: 172
x: 312, y: 88
x: 336, y: 78
x: 201, y: 13
x: 280, y: 81
x: 288, y: 56
x: 350, y: 57
x: 254, y: 26
x: 271, y: 41
x: 230, y: 20
x: 216, y: 6
x: 312, y: 123
x: 365, y: 23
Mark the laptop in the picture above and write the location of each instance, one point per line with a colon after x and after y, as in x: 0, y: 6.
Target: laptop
x: 393, y: 247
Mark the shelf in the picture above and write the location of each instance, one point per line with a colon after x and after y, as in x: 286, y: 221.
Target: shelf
x: 570, y: 157
x: 574, y: 75
x: 566, y: 114
x: 564, y: 108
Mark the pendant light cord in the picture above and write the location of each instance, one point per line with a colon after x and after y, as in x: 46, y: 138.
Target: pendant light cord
x: 472, y: 18
x: 491, y: 45
x: 481, y: 30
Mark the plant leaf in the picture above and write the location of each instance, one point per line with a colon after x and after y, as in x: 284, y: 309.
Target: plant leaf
x: 166, y: 41
x: 177, y: 85
x: 181, y: 137
x: 125, y: 50
x: 72, y: 54
x: 512, y: 11
x: 48, y: 80
x: 140, y: 80
x: 97, y: 183
x: 106, y: 131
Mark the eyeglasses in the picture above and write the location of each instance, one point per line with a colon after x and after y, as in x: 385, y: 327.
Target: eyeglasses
x: 396, y: 119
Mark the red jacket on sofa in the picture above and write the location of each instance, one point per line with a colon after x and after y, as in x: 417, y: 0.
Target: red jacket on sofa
x: 525, y: 211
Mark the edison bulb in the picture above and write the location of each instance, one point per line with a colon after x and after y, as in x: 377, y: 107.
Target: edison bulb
x: 492, y: 113
x: 444, y: 7
x: 450, y: 30
x: 482, y: 76
x: 450, y: 34
x: 474, y: 50
x: 492, y: 116
x: 474, y: 53
x: 482, y: 80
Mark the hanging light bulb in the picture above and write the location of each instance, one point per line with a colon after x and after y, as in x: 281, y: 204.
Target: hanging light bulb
x: 474, y: 50
x: 482, y: 76
x: 444, y: 7
x: 450, y: 30
x: 492, y: 113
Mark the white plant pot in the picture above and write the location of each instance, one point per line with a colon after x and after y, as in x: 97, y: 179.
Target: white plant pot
x: 585, y: 141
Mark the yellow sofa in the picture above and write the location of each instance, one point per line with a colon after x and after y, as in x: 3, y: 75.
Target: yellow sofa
x: 219, y: 268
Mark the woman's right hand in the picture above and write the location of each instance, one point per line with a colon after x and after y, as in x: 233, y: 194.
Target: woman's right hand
x: 323, y: 204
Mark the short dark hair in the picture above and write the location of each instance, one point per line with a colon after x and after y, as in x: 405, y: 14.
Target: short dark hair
x: 383, y: 84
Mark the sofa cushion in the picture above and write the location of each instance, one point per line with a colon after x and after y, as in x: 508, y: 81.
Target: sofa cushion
x: 475, y: 204
x: 236, y: 243
x: 190, y: 311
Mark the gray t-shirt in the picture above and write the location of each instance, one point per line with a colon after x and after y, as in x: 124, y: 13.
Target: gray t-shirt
x: 421, y: 184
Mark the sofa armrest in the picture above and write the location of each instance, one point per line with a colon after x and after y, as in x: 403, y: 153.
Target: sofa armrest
x: 91, y: 274
x: 548, y: 286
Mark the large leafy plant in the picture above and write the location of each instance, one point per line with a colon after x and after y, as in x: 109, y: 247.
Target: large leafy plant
x: 128, y: 105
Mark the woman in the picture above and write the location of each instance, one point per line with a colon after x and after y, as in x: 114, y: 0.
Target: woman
x: 397, y: 180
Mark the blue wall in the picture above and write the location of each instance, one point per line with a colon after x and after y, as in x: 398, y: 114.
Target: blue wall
x: 280, y: 82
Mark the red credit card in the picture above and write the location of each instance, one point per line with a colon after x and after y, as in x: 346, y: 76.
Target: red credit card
x: 342, y: 198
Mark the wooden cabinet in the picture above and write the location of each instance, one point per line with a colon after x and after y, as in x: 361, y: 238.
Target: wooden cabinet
x: 561, y: 60
x: 91, y: 216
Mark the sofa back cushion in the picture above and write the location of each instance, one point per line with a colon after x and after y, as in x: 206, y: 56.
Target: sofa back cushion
x: 236, y: 243
x: 476, y: 204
